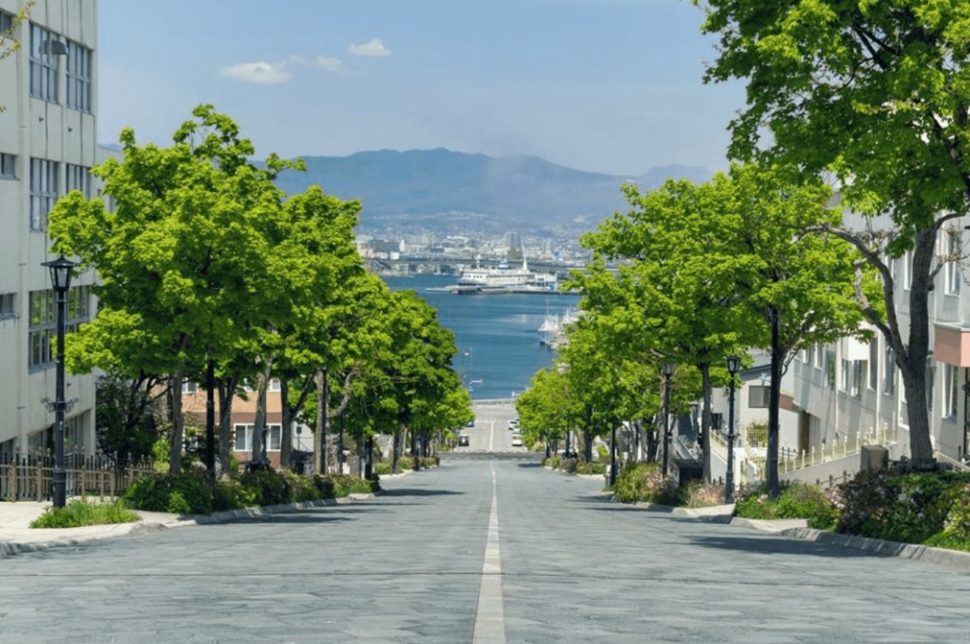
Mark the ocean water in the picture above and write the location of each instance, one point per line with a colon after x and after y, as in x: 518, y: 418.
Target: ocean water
x: 497, y: 335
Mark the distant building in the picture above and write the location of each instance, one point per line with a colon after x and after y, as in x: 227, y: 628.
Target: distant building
x: 47, y: 147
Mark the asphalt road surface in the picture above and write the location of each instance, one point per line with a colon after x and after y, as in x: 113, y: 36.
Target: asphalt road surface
x: 476, y: 550
x: 491, y: 432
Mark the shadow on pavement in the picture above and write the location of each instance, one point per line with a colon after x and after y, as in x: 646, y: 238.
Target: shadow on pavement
x: 775, y: 545
x: 415, y: 491
x: 287, y: 518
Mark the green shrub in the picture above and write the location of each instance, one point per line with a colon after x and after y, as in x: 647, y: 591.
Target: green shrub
x: 908, y: 507
x: 185, y: 493
x: 596, y: 467
x: 271, y: 486
x: 405, y: 464
x: 382, y: 468
x: 552, y: 461
x: 645, y: 482
x: 302, y: 488
x: 602, y: 452
x: 795, y: 501
x: 430, y: 461
x: 344, y: 484
x: 957, y: 524
x: 697, y: 494
x: 81, y: 512
x: 325, y: 486
x: 568, y: 465
x: 231, y: 494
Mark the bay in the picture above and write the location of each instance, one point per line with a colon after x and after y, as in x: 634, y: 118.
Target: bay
x: 497, y: 335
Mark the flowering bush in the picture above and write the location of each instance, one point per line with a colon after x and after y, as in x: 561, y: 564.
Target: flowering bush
x: 645, y: 482
x: 909, y: 507
x: 702, y: 495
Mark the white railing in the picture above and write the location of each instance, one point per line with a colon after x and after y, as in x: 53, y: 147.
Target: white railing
x: 790, y: 460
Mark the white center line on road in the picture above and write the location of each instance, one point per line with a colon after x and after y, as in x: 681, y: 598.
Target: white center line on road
x: 491, y: 440
x: 490, y: 615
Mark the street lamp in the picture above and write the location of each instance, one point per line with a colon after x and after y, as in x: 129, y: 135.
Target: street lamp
x: 60, y: 269
x: 666, y: 371
x: 733, y: 364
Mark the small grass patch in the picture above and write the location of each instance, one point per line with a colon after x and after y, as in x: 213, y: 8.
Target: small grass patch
x: 82, y: 512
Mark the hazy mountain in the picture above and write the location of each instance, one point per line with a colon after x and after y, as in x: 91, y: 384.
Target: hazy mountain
x: 431, y: 187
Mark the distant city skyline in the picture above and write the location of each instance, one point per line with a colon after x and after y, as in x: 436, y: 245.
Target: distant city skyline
x: 609, y: 86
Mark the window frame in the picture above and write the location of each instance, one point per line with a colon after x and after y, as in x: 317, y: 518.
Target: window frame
x: 44, y: 67
x: 78, y: 76
x: 44, y: 191
x: 77, y: 177
x: 42, y: 323
x: 8, y: 165
x: 951, y: 391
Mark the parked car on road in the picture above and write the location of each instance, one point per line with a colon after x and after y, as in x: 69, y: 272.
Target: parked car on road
x: 463, y: 440
x: 516, y: 441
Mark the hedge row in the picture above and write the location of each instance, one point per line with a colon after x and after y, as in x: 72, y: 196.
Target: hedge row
x: 194, y: 493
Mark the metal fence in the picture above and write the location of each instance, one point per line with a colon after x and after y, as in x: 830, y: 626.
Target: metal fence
x: 28, y: 476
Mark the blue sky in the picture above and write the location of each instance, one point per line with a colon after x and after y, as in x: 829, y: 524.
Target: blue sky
x: 602, y: 85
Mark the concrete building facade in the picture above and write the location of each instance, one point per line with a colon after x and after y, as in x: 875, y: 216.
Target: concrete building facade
x: 48, y: 89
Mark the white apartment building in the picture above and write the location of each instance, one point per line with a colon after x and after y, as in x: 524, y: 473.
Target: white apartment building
x: 47, y: 147
x: 851, y: 386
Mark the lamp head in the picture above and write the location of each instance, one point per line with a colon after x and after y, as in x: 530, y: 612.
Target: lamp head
x: 667, y: 369
x: 61, y: 270
x: 733, y: 364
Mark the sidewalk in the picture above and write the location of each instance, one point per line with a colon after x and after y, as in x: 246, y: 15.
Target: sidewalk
x: 17, y: 537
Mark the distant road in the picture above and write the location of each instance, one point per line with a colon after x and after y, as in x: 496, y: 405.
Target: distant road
x: 491, y: 432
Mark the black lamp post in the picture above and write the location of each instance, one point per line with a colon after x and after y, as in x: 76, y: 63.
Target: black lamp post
x: 666, y: 371
x: 733, y: 364
x: 60, y: 269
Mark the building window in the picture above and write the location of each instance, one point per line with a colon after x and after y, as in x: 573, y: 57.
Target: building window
x: 6, y: 23
x: 951, y: 387
x: 77, y: 177
x: 43, y: 191
x: 829, y: 368
x: 6, y: 305
x: 817, y: 356
x: 274, y: 384
x: 951, y: 273
x: 190, y: 387
x: 8, y: 166
x: 846, y: 375
x: 43, y: 65
x: 244, y: 438
x: 759, y: 396
x: 273, y: 444
x: 855, y: 378
x: 42, y: 331
x: 873, y: 364
x: 78, y: 77
x: 889, y: 372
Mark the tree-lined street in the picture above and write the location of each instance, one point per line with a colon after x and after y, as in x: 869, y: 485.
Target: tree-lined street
x: 407, y: 566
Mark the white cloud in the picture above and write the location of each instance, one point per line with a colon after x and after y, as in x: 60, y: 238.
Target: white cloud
x: 258, y: 72
x: 370, y: 48
x: 328, y: 64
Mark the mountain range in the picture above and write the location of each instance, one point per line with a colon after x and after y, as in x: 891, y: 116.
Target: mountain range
x: 444, y: 190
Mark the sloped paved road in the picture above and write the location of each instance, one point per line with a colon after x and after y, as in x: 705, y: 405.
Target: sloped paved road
x: 407, y: 566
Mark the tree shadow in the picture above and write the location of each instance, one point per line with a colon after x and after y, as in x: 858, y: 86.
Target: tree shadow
x: 414, y: 491
x: 288, y: 518
x: 532, y: 464
x: 780, y: 545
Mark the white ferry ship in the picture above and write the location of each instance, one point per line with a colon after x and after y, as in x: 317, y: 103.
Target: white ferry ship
x: 505, y: 279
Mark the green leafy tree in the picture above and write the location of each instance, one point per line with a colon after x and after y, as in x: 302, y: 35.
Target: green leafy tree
x: 187, y: 248
x: 874, y: 94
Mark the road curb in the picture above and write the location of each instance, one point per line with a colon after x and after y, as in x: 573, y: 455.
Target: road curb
x: 941, y: 556
x: 118, y: 530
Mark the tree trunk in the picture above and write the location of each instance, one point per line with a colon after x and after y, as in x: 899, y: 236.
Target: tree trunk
x: 774, y: 398
x: 227, y: 390
x: 324, y: 405
x: 318, y: 434
x: 340, y: 445
x: 259, y: 424
x: 913, y: 362
x: 210, y: 417
x: 286, y: 427
x: 178, y: 426
x: 369, y: 466
x: 613, y: 454
x: 588, y: 437
x: 396, y: 449
x: 652, y: 441
x: 705, y: 436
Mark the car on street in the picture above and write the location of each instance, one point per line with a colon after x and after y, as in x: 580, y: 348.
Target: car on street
x: 516, y: 441
x: 463, y: 440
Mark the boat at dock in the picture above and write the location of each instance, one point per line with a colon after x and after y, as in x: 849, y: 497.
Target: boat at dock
x: 477, y: 280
